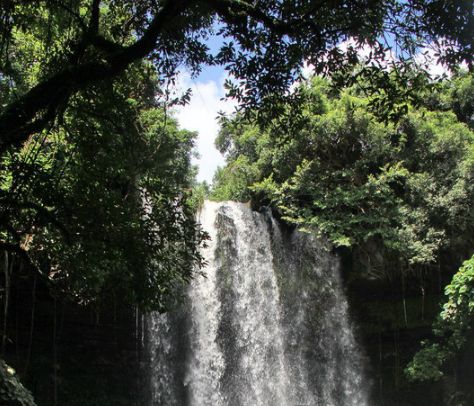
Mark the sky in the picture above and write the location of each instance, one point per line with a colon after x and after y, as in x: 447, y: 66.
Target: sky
x: 200, y: 115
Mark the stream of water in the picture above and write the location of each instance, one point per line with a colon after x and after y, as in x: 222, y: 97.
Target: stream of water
x: 268, y: 325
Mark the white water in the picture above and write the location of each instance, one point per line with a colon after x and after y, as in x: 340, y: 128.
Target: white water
x: 267, y: 326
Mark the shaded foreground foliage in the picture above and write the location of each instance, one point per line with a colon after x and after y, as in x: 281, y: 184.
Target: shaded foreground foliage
x: 452, y: 329
x: 98, y: 202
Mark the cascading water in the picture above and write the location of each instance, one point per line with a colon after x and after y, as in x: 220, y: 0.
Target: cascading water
x: 266, y: 326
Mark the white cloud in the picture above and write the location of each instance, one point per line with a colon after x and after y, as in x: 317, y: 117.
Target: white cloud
x: 307, y: 70
x: 427, y: 58
x: 200, y: 115
x: 363, y: 51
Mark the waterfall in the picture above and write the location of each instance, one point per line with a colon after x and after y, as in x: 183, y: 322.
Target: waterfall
x: 267, y: 324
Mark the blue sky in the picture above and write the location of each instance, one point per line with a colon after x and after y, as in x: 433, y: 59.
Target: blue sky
x: 201, y: 112
x: 200, y: 115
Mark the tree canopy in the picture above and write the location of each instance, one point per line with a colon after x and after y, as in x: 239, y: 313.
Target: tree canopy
x: 266, y: 43
x: 330, y: 166
x: 94, y: 174
x: 97, y: 201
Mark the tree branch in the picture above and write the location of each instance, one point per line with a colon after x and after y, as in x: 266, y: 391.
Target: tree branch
x: 94, y: 20
x: 40, y: 104
x: 41, y: 211
x: 234, y: 8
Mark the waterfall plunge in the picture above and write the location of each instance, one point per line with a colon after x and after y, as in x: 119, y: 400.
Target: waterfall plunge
x: 267, y: 326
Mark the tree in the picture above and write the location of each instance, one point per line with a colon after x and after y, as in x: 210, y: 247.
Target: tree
x: 268, y: 42
x: 80, y: 77
x: 330, y: 166
x: 98, y: 203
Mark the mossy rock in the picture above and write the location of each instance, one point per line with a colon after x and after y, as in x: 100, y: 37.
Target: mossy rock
x: 12, y: 392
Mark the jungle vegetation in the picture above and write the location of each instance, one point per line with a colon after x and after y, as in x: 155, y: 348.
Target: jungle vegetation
x: 81, y: 82
x: 95, y: 174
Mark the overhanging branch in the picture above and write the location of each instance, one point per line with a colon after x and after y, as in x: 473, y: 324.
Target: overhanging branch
x: 40, y: 103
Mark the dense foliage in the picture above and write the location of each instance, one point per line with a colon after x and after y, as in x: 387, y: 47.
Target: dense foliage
x: 76, y: 43
x: 100, y: 203
x: 97, y: 201
x: 329, y: 165
x: 82, y: 158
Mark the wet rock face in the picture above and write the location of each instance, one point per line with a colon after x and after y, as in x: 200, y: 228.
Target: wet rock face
x: 12, y: 392
x: 393, y: 316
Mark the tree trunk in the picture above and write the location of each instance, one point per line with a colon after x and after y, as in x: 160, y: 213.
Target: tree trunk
x: 32, y: 326
x: 6, y: 300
